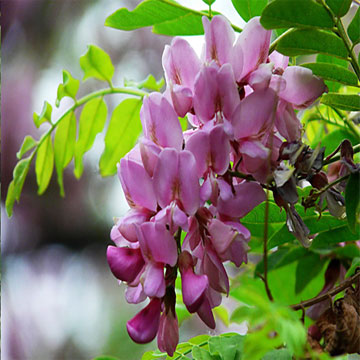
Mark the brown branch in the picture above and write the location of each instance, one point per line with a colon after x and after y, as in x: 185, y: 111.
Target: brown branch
x: 344, y: 285
x: 328, y: 160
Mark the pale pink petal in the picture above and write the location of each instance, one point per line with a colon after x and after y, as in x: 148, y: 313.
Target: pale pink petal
x: 189, y: 193
x: 287, y: 123
x: 199, y: 145
x: 247, y: 196
x: 219, y: 38
x: 160, y: 122
x: 181, y: 97
x: 143, y: 327
x: 254, y: 113
x: 279, y: 60
x: 154, y: 282
x: 157, y: 243
x: 149, y: 154
x: 137, y: 184
x: 302, y: 87
x: 135, y: 294
x: 222, y: 235
x: 260, y: 78
x: 254, y: 41
x: 126, y: 225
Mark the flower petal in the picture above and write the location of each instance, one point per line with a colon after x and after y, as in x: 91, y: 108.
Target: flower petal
x: 154, y: 283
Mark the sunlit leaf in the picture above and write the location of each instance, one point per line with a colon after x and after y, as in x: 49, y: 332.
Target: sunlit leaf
x: 149, y: 83
x: 69, y: 87
x: 44, y: 164
x: 301, y: 13
x: 226, y: 347
x: 202, y: 354
x: 15, y: 187
x: 311, y: 41
x: 92, y: 121
x: 278, y: 354
x: 64, y: 146
x: 96, y: 63
x: 121, y: 136
x: 44, y: 116
x: 352, y: 202
x: 247, y: 9
x: 28, y: 143
x: 328, y: 238
x: 332, y: 72
x: 355, y: 263
x: 342, y: 101
x: 354, y: 28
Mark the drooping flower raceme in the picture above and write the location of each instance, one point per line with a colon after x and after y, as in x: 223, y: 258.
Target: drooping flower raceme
x: 240, y: 102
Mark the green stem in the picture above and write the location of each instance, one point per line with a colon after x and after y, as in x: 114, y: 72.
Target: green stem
x: 276, y: 41
x: 190, y: 350
x: 81, y: 102
x: 201, y: 13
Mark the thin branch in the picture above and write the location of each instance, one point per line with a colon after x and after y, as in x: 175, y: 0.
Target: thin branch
x: 356, y: 149
x: 344, y: 285
x: 276, y: 41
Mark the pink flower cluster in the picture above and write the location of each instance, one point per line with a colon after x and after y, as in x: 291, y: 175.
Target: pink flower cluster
x: 240, y: 103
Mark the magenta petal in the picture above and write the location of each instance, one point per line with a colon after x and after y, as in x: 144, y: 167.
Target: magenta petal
x: 287, y: 123
x: 160, y: 122
x: 302, y: 87
x: 149, y: 155
x: 168, y: 334
x: 247, y: 196
x: 219, y: 38
x: 125, y: 263
x: 222, y: 235
x: 215, y: 271
x: 154, y: 283
x: 220, y: 149
x: 254, y: 40
x: 254, y: 113
x: 143, y: 327
x: 193, y: 289
x: 206, y: 315
x: 157, y: 243
x: 137, y: 184
x: 189, y: 193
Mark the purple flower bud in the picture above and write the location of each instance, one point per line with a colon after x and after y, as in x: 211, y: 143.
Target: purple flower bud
x: 125, y: 263
x: 168, y: 334
x: 143, y: 327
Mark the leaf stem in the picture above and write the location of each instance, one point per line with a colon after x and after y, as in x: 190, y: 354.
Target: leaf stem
x: 276, y: 41
x: 356, y: 149
x: 344, y: 285
x: 190, y: 350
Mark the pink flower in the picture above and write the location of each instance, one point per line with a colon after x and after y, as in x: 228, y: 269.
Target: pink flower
x: 144, y: 326
x: 168, y: 333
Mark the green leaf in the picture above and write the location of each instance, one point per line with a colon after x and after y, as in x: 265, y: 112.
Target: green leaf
x: 69, y: 87
x: 44, y: 164
x: 209, y: 2
x: 329, y: 238
x: 92, y: 121
x: 149, y: 355
x: 45, y: 115
x: 333, y: 139
x: 14, y: 191
x: 299, y: 13
x: 247, y: 9
x: 311, y: 41
x: 149, y: 83
x: 307, y: 268
x: 28, y: 143
x: 355, y: 263
x: 167, y: 17
x: 342, y: 101
x: 354, y: 28
x: 279, y: 354
x: 202, y: 354
x: 339, y: 7
x: 227, y: 347
x: 348, y: 251
x: 333, y: 72
x: 327, y: 223
x: 352, y: 202
x: 322, y: 58
x: 96, y: 63
x: 64, y: 146
x: 121, y: 136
